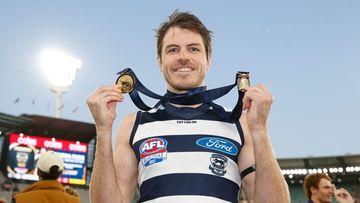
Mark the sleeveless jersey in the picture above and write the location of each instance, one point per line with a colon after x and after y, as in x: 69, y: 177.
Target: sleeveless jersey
x: 187, y: 154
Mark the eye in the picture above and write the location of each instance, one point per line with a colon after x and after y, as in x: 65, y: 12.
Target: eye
x: 194, y: 49
x: 172, y: 50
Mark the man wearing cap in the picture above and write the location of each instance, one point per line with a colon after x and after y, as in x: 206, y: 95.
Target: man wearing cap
x: 47, y: 189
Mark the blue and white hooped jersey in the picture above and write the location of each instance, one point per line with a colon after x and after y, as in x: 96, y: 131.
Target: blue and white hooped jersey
x: 187, y: 155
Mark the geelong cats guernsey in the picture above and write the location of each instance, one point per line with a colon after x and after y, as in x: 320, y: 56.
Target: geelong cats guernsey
x: 187, y: 154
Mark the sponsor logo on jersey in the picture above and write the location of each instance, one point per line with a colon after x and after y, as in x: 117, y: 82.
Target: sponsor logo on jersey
x: 186, y: 122
x: 218, y: 164
x: 218, y: 144
x: 153, y: 151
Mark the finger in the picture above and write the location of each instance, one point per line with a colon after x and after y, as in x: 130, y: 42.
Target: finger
x: 333, y: 187
x: 112, y: 105
x: 246, y: 102
x: 113, y: 98
x: 112, y: 93
x: 117, y: 88
x: 248, y: 97
x: 344, y: 192
x: 251, y: 95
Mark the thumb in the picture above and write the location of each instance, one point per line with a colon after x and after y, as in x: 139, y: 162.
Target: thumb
x: 333, y: 187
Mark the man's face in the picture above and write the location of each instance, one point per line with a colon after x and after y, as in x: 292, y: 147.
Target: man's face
x: 183, y: 60
x: 324, y: 193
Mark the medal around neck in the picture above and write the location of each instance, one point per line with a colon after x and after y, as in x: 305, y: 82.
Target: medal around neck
x: 126, y: 82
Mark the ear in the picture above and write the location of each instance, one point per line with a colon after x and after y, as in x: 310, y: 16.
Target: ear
x: 208, y: 64
x: 313, y: 190
x: 159, y: 63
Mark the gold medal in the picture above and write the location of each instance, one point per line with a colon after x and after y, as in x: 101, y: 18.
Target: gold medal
x: 243, y: 81
x: 126, y: 82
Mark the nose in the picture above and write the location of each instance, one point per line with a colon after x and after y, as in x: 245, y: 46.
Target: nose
x: 183, y: 61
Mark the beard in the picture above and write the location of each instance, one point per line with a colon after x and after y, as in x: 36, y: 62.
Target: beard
x: 183, y: 81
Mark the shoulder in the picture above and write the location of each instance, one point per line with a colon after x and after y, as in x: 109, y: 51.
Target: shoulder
x: 129, y: 120
x: 21, y: 196
x: 125, y: 128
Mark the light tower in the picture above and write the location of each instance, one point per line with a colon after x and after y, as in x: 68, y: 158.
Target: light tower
x: 60, y: 70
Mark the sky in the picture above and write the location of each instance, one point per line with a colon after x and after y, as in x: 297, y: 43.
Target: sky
x: 306, y: 52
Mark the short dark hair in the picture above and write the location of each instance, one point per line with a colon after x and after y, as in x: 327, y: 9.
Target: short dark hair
x: 188, y: 21
x: 54, y: 173
x: 313, y: 180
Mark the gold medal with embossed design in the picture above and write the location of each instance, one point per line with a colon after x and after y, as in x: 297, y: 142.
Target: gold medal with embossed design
x: 126, y: 82
x: 243, y: 82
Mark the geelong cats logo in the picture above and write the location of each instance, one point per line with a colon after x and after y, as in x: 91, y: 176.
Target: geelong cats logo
x: 218, y: 164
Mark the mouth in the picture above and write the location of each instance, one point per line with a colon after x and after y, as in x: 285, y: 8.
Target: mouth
x: 183, y: 69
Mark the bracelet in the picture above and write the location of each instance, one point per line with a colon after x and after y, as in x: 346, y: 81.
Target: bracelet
x: 247, y: 171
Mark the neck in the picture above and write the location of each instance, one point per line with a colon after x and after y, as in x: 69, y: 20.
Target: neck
x: 182, y: 91
x: 172, y: 92
x: 315, y: 200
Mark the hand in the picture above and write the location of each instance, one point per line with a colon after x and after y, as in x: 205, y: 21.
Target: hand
x: 342, y: 195
x: 102, y: 104
x: 257, y: 101
x: 71, y: 191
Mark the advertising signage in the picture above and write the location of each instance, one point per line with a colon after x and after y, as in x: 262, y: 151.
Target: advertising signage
x: 25, y: 150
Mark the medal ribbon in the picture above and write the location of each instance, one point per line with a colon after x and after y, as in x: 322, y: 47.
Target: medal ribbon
x: 194, y: 96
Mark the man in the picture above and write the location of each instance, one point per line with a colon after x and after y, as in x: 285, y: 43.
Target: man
x: 47, y: 189
x: 185, y: 153
x: 318, y: 189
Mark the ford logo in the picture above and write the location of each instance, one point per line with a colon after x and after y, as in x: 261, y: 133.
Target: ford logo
x: 218, y: 144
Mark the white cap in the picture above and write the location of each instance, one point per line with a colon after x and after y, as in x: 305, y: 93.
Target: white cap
x: 49, y: 159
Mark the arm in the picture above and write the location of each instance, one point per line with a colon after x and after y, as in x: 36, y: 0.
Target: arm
x: 104, y: 186
x: 125, y: 162
x: 270, y: 185
x: 247, y: 159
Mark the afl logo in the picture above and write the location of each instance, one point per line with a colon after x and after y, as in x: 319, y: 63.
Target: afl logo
x: 153, y: 150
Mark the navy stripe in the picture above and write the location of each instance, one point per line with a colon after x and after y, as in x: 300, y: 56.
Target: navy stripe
x: 187, y: 143
x: 160, y: 115
x: 189, y: 184
x: 177, y: 113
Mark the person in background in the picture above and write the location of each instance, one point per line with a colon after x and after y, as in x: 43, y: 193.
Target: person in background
x: 47, y: 189
x: 318, y: 189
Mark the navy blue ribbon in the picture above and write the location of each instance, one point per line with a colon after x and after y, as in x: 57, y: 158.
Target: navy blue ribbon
x: 194, y: 96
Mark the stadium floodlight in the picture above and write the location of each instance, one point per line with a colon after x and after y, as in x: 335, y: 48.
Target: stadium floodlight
x: 60, y: 70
